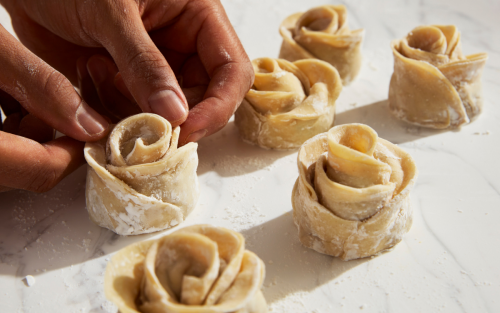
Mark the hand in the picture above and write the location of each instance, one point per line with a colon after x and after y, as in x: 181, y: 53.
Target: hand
x: 135, y: 53
x: 36, y: 99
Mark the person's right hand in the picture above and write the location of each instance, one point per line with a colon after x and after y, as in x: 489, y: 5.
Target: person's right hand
x: 36, y: 100
x: 163, y: 56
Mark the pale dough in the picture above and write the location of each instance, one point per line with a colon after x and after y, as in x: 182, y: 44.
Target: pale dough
x: 351, y: 199
x: 288, y: 103
x: 199, y: 268
x: 138, y: 180
x: 434, y: 85
x: 322, y: 33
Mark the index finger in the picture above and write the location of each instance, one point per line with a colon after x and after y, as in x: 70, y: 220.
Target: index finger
x: 228, y: 66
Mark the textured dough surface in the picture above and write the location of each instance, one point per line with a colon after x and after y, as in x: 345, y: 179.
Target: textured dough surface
x: 322, y: 33
x: 138, y: 181
x: 199, y: 268
x: 289, y: 102
x: 351, y: 199
x: 434, y: 85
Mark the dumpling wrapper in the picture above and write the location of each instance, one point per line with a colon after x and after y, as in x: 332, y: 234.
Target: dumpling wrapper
x: 199, y: 268
x: 322, y: 33
x: 138, y: 180
x: 351, y: 199
x: 289, y: 102
x: 434, y: 85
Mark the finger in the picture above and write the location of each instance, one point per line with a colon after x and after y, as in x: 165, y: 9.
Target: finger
x: 5, y: 189
x: 175, y: 59
x: 89, y: 92
x: 120, y: 85
x: 195, y: 95
x: 33, y: 128
x: 231, y: 75
x: 59, y: 53
x: 193, y: 73
x: 46, y: 93
x: 195, y: 80
x: 26, y: 164
x: 144, y: 69
x: 103, y: 72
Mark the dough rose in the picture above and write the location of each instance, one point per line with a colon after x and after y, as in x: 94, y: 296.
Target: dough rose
x: 199, y: 268
x: 322, y: 33
x: 288, y: 103
x: 351, y: 199
x: 434, y: 84
x: 139, y: 181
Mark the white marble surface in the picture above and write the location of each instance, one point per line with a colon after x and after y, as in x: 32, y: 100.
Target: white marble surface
x: 448, y: 262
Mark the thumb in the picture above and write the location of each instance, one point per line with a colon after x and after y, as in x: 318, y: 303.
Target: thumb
x: 143, y: 67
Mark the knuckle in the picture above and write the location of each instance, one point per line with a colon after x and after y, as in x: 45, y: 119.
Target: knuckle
x: 147, y: 64
x: 220, y: 120
x: 56, y: 85
x: 42, y: 179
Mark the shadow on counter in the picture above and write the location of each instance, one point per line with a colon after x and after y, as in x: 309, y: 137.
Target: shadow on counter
x: 377, y: 116
x: 49, y: 231
x: 291, y: 267
x: 228, y: 155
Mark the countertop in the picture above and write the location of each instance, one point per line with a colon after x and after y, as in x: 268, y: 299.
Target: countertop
x: 448, y: 262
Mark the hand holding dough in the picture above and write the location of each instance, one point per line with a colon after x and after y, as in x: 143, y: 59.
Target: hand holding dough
x: 199, y: 268
x: 139, y: 181
x: 351, y: 199
x: 322, y: 33
x: 434, y: 85
x: 288, y: 103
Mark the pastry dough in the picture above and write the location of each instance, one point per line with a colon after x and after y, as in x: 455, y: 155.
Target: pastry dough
x: 351, y: 199
x: 288, y: 103
x: 138, y: 180
x: 322, y: 33
x: 199, y: 268
x: 434, y: 84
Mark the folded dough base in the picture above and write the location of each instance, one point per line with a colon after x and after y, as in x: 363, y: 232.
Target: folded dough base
x: 132, y: 199
x: 434, y: 85
x: 199, y: 268
x: 351, y: 222
x: 289, y: 103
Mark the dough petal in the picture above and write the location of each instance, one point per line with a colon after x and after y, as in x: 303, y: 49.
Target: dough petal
x: 433, y: 84
x: 322, y: 33
x: 297, y: 102
x: 196, y: 269
x: 130, y: 198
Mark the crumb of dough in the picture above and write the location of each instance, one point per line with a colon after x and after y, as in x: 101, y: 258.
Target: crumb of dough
x: 30, y: 280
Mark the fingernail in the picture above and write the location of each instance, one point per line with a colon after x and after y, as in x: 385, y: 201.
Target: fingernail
x: 197, y: 135
x: 167, y: 104
x: 91, y: 121
x: 97, y: 69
